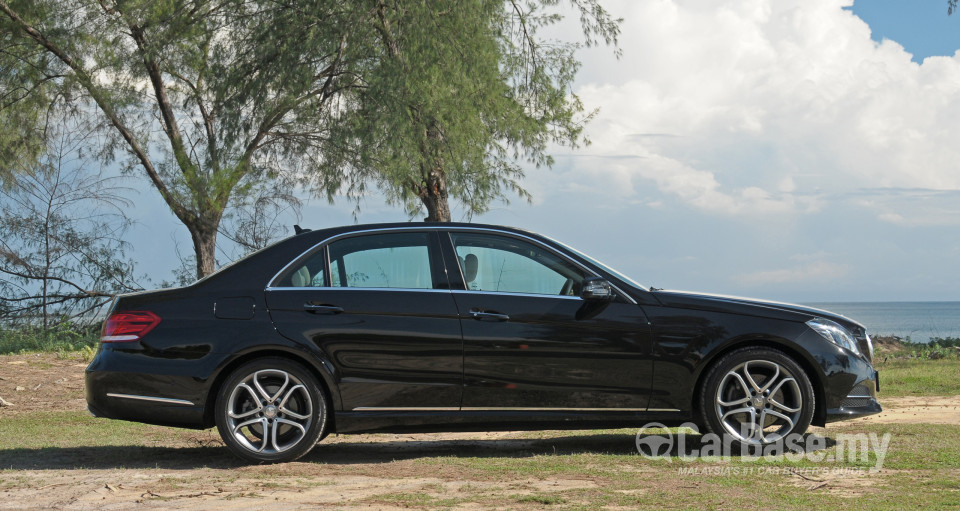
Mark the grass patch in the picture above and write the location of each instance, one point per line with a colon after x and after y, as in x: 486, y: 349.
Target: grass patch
x: 588, y: 469
x: 542, y: 499
x: 62, y: 338
x: 44, y: 439
x: 919, y: 377
x: 921, y: 467
x: 39, y: 430
x: 416, y: 499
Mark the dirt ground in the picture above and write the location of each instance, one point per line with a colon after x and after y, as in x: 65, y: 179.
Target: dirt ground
x: 29, y: 383
x: 191, y: 469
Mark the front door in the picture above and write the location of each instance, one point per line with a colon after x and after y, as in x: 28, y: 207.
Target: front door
x: 530, y: 341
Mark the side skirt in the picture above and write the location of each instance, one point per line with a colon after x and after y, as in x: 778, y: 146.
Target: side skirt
x: 439, y: 420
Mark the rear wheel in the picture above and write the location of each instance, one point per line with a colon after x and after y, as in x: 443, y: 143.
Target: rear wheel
x: 271, y: 410
x: 757, y: 396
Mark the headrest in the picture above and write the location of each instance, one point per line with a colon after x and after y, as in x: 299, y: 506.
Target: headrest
x: 301, y: 278
x: 470, y: 264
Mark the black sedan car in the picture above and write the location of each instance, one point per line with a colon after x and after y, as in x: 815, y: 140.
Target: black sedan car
x: 429, y: 327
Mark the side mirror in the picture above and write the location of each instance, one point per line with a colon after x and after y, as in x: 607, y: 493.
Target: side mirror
x: 597, y: 289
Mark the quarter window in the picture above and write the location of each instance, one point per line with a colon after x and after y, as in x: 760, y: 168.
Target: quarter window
x: 508, y: 265
x: 310, y: 273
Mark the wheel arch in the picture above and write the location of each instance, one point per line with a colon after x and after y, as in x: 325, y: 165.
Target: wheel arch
x: 795, y: 352
x: 316, y: 367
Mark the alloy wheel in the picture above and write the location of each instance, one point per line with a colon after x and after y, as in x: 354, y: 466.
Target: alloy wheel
x: 269, y: 412
x: 759, y: 402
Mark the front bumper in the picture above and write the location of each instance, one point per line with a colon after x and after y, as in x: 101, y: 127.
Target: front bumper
x: 860, y: 401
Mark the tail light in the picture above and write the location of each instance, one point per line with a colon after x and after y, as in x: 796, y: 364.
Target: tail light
x: 127, y: 326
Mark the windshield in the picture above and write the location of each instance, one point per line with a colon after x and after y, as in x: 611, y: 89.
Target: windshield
x: 602, y: 266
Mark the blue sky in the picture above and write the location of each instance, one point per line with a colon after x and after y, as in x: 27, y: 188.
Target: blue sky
x: 798, y: 150
x: 921, y: 26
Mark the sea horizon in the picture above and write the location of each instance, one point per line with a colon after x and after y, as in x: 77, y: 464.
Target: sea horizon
x: 918, y: 321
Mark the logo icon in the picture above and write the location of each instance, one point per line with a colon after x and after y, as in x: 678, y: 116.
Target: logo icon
x: 655, y: 445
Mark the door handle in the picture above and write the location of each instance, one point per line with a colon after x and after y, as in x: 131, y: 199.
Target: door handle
x: 488, y: 316
x: 322, y: 309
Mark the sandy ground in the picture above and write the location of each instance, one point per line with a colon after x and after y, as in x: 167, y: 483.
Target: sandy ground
x: 915, y: 410
x: 191, y: 469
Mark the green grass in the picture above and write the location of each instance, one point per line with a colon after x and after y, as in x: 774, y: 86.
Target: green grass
x: 919, y: 377
x: 922, y: 468
x: 568, y: 470
x: 61, y: 338
x: 541, y: 499
x: 76, y: 428
x: 43, y: 439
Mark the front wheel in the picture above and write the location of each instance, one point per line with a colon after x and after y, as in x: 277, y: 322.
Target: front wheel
x: 757, y: 396
x: 271, y: 410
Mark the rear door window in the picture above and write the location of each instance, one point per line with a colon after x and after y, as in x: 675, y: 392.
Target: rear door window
x: 389, y: 261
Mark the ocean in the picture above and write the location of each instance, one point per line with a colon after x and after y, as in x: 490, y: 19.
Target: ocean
x: 917, y: 320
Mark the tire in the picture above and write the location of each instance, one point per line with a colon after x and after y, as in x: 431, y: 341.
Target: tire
x: 757, y: 396
x: 274, y: 396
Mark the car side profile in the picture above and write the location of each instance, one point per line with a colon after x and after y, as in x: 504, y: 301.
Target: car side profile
x: 463, y: 327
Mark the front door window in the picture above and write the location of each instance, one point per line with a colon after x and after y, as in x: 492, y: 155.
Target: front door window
x: 507, y: 265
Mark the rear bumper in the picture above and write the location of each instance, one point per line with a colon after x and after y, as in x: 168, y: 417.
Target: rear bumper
x: 163, y: 399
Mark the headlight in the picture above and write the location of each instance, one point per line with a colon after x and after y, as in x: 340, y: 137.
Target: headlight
x: 834, y: 333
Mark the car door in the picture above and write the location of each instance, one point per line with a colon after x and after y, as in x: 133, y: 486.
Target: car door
x: 531, y: 341
x: 378, y: 307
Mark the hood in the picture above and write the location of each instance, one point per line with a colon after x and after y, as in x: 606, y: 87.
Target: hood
x: 749, y: 307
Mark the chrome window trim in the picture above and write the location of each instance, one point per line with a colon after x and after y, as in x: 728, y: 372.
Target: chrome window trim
x: 506, y: 293
x: 448, y: 229
x: 310, y: 251
x: 415, y: 290
x: 166, y: 400
x: 325, y: 288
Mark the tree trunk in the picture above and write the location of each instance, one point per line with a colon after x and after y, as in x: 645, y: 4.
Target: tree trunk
x: 433, y: 190
x: 204, y: 236
x: 434, y: 196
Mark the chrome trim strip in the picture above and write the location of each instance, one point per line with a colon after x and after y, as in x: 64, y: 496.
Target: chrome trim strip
x: 324, y: 288
x: 406, y: 409
x: 412, y: 228
x: 504, y: 293
x: 664, y: 410
x: 859, y: 397
x: 167, y: 400
x: 489, y: 409
x: 413, y: 290
x: 545, y: 409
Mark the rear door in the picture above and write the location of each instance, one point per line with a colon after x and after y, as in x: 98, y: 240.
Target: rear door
x: 377, y: 305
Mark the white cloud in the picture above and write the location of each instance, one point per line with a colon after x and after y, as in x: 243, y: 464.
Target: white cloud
x: 808, y: 272
x: 893, y: 218
x: 748, y: 107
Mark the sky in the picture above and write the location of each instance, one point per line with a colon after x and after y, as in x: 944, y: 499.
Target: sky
x: 795, y: 150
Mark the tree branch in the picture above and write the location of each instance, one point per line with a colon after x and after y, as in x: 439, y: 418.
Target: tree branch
x: 101, y: 100
x: 171, y: 128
